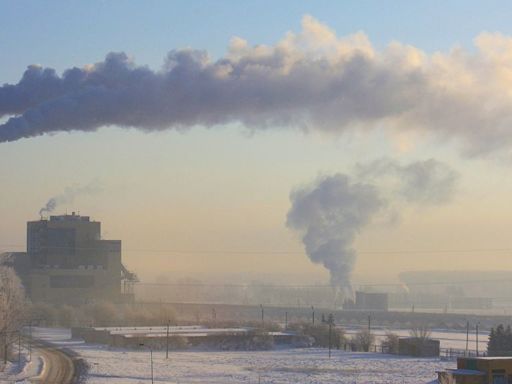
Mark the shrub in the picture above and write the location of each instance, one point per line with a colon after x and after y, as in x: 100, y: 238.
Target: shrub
x: 363, y: 340
x: 390, y: 343
x: 44, y: 314
x: 102, y: 314
x: 320, y: 334
x: 66, y: 316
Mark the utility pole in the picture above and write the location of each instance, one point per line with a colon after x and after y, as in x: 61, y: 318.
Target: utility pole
x: 262, y: 315
x: 167, y: 340
x: 467, y: 337
x: 214, y: 315
x: 331, y: 322
x: 19, y: 348
x: 313, y: 314
x: 30, y: 340
x: 151, y: 356
x: 5, y: 348
x: 286, y: 320
x: 369, y: 323
x: 477, y: 338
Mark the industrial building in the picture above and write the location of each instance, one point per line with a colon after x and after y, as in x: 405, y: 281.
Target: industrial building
x: 67, y: 262
x: 418, y: 347
x: 368, y: 301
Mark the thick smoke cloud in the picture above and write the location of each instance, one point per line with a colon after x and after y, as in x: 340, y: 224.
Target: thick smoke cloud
x: 330, y: 212
x: 311, y: 80
x: 68, y: 196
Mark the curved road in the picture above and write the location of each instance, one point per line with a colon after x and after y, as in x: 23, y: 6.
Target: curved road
x: 58, y: 367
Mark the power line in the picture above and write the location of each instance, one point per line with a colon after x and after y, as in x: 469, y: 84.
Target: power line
x: 283, y: 252
x: 229, y: 285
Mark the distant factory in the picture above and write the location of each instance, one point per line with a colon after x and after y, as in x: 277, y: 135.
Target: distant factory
x: 368, y: 301
x: 67, y: 262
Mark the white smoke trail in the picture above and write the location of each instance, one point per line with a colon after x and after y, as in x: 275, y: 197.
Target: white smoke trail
x: 312, y: 79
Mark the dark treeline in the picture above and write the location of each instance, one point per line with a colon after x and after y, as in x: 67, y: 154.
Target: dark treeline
x: 500, y: 341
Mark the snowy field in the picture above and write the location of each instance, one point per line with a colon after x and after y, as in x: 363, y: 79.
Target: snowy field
x: 284, y: 366
x: 311, y: 365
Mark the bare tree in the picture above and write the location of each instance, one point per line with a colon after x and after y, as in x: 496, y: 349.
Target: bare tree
x: 363, y: 340
x: 421, y: 332
x: 12, y: 307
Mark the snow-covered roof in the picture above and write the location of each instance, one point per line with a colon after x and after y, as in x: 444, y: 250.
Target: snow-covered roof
x: 188, y: 331
x: 489, y: 358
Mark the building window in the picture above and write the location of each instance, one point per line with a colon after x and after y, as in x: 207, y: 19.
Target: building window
x: 498, y: 376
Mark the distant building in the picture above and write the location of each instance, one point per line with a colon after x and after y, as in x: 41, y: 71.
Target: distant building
x: 438, y: 289
x: 68, y: 262
x: 368, y: 302
x: 183, y: 336
x: 478, y: 370
x: 471, y: 303
x: 418, y: 347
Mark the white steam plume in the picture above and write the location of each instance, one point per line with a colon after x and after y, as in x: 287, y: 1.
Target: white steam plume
x: 312, y: 79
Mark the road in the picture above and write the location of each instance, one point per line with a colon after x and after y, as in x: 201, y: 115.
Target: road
x: 58, y: 367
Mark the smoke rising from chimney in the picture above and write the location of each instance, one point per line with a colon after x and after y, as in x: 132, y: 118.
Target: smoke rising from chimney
x: 68, y: 196
x: 330, y: 212
x: 312, y: 79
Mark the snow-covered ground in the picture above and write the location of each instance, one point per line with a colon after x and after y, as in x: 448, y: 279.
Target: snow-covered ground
x: 285, y: 366
x: 282, y: 366
x: 20, y: 373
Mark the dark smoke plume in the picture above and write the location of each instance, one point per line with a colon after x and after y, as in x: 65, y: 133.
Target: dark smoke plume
x: 312, y: 80
x: 330, y: 212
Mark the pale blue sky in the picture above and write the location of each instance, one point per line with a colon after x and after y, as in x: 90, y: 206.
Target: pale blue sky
x: 65, y: 33
x: 223, y: 188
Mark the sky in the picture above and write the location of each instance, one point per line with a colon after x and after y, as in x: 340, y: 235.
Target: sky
x: 212, y: 199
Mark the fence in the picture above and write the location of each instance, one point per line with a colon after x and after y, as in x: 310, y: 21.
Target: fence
x: 444, y: 353
x: 453, y: 353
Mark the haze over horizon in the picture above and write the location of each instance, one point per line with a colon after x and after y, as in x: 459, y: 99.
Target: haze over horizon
x: 213, y: 177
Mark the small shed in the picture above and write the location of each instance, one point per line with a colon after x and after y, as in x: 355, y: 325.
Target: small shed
x: 418, y: 347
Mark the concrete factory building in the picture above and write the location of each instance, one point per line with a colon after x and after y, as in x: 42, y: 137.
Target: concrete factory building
x: 67, y: 262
